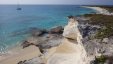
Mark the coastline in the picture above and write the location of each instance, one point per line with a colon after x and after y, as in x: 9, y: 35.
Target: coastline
x: 46, y: 18
x: 19, y: 53
x: 12, y: 50
x: 16, y: 50
x: 32, y: 51
x: 99, y: 10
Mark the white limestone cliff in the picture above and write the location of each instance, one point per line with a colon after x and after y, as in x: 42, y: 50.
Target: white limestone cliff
x: 71, y: 51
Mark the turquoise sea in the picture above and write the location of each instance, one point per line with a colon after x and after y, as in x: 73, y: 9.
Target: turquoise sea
x: 14, y: 23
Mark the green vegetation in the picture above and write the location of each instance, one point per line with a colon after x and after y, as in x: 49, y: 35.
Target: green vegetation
x: 100, y: 60
x: 105, y: 21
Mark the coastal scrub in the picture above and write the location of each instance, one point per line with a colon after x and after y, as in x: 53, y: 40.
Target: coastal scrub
x: 106, y: 23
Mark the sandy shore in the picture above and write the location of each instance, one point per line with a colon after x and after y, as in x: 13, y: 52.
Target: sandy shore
x: 24, y: 54
x: 99, y: 10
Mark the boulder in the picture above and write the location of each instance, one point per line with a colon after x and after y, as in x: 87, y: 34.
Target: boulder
x: 56, y: 30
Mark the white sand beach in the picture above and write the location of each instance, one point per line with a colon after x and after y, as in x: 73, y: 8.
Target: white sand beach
x: 99, y: 10
x: 24, y: 54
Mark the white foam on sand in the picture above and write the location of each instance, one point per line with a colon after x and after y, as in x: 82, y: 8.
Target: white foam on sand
x: 8, y: 51
x: 100, y: 10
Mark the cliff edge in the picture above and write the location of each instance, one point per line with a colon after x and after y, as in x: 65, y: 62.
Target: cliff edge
x: 71, y: 49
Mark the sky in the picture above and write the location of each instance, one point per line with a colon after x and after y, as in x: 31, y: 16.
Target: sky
x: 67, y: 2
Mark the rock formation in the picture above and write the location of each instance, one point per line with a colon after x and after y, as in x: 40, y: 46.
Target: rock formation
x: 37, y: 32
x: 71, y: 50
x: 71, y: 31
x: 56, y: 30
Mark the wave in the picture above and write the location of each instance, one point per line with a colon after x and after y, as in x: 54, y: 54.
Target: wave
x: 3, y: 48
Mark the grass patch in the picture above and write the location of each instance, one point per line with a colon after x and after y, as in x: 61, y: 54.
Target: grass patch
x: 102, y: 59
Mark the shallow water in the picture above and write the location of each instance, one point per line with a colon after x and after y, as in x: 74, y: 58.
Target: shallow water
x: 14, y: 24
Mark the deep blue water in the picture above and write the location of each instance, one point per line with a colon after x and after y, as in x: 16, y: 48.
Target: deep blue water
x: 13, y: 21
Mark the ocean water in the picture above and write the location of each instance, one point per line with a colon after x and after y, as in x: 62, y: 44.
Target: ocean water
x: 14, y: 23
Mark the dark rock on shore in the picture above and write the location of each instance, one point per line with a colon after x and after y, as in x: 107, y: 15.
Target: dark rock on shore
x: 22, y: 62
x: 38, y: 32
x: 51, y: 40
x: 26, y: 44
x: 56, y: 30
x: 44, y: 39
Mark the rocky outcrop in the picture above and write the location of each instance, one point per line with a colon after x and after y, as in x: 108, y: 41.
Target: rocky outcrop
x: 56, y: 30
x: 71, y: 50
x: 71, y: 30
x: 37, y: 32
x: 26, y: 44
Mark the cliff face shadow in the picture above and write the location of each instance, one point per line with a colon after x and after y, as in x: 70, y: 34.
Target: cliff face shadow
x: 72, y: 40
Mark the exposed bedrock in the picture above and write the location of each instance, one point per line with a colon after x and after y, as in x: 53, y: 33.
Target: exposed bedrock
x: 71, y: 50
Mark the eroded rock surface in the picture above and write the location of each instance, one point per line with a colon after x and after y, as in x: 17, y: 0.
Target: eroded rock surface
x: 71, y: 50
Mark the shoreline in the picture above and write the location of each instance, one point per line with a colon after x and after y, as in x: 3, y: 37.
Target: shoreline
x: 14, y: 50
x: 99, y: 10
x: 10, y: 51
x: 17, y: 52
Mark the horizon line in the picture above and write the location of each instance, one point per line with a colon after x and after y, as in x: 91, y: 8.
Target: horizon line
x: 63, y: 4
